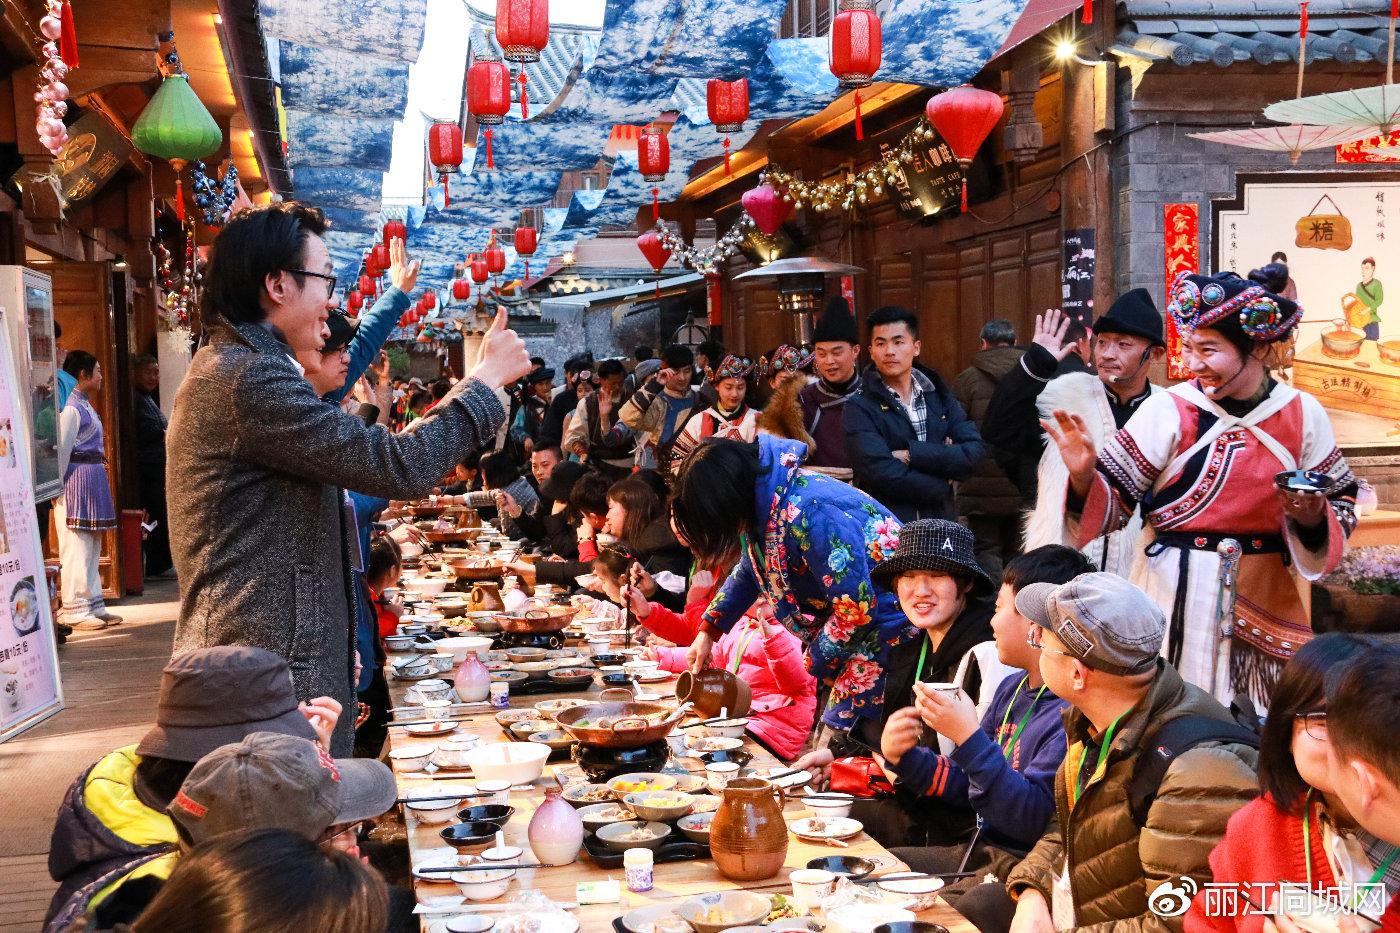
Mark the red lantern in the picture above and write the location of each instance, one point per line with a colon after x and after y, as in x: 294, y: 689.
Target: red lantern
x: 369, y: 285
x: 495, y: 257
x: 654, y: 249
x: 654, y: 160
x: 445, y: 152
x: 371, y: 266
x: 480, y: 271
x: 522, y: 29
x: 430, y: 300
x: 767, y: 208
x: 461, y: 289
x: 527, y: 240
x: 395, y: 230
x: 855, y: 49
x: 728, y: 106
x: 964, y: 116
x: 488, y: 96
x: 354, y: 302
x: 381, y: 258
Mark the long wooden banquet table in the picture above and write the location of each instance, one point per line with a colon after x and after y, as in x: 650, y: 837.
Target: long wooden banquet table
x: 673, y: 881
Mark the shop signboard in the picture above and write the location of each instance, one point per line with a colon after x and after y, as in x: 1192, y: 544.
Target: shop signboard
x: 930, y: 182
x: 29, y: 681
x: 1347, y: 351
x: 1077, y: 276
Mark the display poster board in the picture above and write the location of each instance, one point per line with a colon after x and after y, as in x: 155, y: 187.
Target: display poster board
x: 1077, y: 276
x: 1338, y: 234
x: 30, y: 690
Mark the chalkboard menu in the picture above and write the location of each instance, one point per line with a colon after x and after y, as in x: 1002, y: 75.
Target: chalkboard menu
x: 931, y: 182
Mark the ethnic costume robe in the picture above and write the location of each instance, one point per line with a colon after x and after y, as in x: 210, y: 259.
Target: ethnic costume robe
x: 1202, y: 474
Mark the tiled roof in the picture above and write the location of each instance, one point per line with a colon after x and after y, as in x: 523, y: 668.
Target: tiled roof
x: 1186, y: 32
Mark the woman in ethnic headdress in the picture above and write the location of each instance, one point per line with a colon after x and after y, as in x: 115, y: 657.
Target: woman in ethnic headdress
x: 1201, y: 459
x: 729, y: 417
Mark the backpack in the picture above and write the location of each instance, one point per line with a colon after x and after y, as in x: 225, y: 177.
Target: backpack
x: 1180, y: 735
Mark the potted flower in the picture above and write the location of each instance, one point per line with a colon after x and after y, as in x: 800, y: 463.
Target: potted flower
x: 1363, y: 594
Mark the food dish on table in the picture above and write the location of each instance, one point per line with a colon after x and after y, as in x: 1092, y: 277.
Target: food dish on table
x: 814, y: 827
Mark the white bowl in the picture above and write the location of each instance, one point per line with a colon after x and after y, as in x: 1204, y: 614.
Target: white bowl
x: 483, y: 885
x: 410, y: 549
x: 398, y: 642
x: 463, y: 645
x: 427, y: 585
x: 727, y: 728
x: 863, y: 918
x: 411, y: 759
x: 516, y: 762
x: 922, y: 893
x: 827, y: 809
x: 454, y: 753
x: 433, y: 811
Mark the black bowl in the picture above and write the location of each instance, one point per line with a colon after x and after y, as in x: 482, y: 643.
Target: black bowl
x: 464, y: 836
x: 737, y: 755
x: 616, y: 680
x: 610, y: 660
x: 1303, y: 481
x: 497, y: 814
x: 910, y: 926
x: 851, y: 866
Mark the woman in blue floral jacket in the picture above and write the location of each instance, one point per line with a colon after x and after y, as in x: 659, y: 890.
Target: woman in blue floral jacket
x: 807, y: 542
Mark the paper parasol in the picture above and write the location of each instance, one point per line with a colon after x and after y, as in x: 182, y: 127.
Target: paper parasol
x: 1294, y: 139
x: 1374, y: 109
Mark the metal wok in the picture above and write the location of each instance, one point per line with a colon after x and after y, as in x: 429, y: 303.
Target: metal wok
x: 628, y: 726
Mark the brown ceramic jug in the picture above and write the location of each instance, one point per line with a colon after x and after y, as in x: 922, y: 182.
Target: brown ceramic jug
x: 486, y: 597
x: 713, y: 690
x: 748, y: 838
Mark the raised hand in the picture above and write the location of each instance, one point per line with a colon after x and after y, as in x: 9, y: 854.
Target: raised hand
x: 403, y: 274
x: 1076, y: 448
x: 504, y: 358
x: 1050, y: 330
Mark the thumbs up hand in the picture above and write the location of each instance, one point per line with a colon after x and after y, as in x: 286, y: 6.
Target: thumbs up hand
x: 504, y: 358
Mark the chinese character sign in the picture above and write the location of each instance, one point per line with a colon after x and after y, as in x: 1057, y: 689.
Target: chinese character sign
x: 29, y: 685
x: 1181, y: 231
x: 1077, y: 276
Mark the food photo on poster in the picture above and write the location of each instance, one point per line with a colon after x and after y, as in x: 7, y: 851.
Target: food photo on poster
x: 1337, y: 236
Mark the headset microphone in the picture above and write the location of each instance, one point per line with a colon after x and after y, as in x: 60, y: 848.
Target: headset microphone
x: 1212, y: 391
x: 1142, y: 361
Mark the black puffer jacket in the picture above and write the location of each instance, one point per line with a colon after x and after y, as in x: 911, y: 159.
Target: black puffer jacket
x: 987, y: 491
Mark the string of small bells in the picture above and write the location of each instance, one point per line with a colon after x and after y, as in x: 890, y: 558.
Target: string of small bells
x: 857, y: 188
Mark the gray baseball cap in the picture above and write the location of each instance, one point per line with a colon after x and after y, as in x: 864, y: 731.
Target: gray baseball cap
x: 278, y: 781
x: 1103, y: 620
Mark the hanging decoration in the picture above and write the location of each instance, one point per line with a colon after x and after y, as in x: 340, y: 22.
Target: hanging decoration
x: 1182, y: 248
x: 1087, y: 17
x: 527, y: 240
x: 214, y: 198
x: 654, y: 161
x: 380, y: 252
x: 50, y: 92
x: 488, y: 95
x: 445, y: 152
x: 430, y: 299
x: 178, y: 295
x: 480, y: 271
x: 705, y: 261
x: 461, y: 289
x: 354, y: 302
x: 522, y: 29
x: 395, y: 230
x: 656, y: 253
x: 175, y: 125
x: 855, y: 50
x: 767, y: 208
x: 495, y: 256
x: 1303, y: 45
x: 727, y: 103
x: 964, y: 116
x: 369, y: 286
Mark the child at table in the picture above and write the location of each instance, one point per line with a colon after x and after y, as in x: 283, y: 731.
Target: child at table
x: 382, y: 572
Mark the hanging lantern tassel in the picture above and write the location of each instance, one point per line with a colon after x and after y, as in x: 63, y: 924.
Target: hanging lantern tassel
x: 726, y: 156
x: 1302, y: 44
x: 527, y: 270
x: 490, y: 161
x: 965, y: 166
x: 655, y: 205
x: 68, y: 39
x: 179, y: 166
x: 860, y: 126
x: 524, y: 95
x: 446, y: 192
x: 1088, y: 16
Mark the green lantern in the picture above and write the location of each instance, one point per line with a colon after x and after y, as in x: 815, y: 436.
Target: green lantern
x: 177, y: 127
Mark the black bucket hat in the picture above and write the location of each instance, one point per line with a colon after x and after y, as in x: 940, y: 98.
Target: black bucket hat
x: 1134, y: 313
x: 938, y: 545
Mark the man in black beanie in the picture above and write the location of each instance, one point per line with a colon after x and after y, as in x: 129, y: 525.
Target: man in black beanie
x: 835, y: 351
x: 1122, y: 346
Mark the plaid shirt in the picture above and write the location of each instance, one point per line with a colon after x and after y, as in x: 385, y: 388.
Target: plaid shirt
x: 917, y: 409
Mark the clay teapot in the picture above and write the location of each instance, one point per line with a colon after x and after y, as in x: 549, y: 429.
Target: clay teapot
x: 713, y: 690
x: 486, y: 597
x: 748, y: 837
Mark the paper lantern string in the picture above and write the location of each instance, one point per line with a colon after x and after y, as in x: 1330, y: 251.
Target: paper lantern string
x: 860, y: 127
x: 1088, y: 16
x: 524, y: 95
x: 727, y: 170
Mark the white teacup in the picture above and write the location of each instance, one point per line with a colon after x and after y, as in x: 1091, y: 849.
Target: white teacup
x: 810, y: 885
x: 719, y: 774
x: 499, y: 791
x: 436, y: 709
x: 441, y: 661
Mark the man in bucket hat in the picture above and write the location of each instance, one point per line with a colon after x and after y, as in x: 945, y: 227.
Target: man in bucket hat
x: 112, y: 827
x: 1132, y: 718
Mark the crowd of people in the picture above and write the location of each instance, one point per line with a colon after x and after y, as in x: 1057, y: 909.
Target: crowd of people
x: 985, y: 606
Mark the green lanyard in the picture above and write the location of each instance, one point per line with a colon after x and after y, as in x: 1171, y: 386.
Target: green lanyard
x: 1376, y: 875
x: 1020, y: 726
x: 1103, y: 756
x: 743, y: 647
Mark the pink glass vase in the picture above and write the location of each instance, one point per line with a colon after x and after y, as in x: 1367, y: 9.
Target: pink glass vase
x: 556, y: 832
x: 473, y: 681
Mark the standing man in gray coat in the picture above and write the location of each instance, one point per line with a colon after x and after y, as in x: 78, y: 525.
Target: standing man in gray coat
x: 258, y: 532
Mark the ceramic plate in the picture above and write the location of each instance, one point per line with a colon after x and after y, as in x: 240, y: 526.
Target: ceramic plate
x: 431, y: 728
x: 816, y: 827
x: 642, y: 919
x: 707, y: 743
x: 791, y: 780
x: 705, y: 803
x: 655, y: 677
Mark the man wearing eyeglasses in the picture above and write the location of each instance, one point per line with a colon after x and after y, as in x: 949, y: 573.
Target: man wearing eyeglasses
x: 258, y: 534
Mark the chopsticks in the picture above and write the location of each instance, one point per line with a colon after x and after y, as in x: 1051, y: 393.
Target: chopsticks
x: 419, y: 707
x: 915, y: 876
x: 428, y: 722
x: 445, y: 869
x: 462, y: 796
x: 711, y: 722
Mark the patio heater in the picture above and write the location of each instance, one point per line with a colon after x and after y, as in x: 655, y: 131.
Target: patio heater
x: 801, y: 285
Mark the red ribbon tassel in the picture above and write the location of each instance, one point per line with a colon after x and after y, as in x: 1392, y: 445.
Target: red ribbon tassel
x: 525, y: 95
x: 490, y: 160
x: 1395, y: 9
x: 527, y: 275
x: 68, y: 38
x: 860, y: 126
x: 655, y: 205
x: 726, y: 156
x: 1303, y: 21
x: 1088, y: 16
x: 179, y: 198
x: 446, y: 193
x: 964, y: 196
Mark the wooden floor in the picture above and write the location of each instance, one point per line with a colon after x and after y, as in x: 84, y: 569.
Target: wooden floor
x: 110, y: 682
